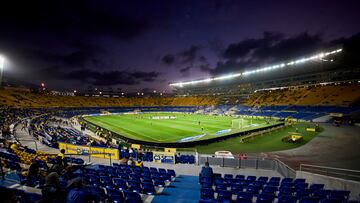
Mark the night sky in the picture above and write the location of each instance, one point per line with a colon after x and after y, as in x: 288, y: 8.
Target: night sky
x: 139, y: 45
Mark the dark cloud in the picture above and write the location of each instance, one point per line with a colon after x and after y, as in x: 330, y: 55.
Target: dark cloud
x: 189, y: 55
x: 270, y: 48
x: 110, y: 78
x: 245, y: 47
x: 185, y: 71
x: 168, y: 59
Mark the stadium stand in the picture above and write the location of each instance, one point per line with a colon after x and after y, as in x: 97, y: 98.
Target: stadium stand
x: 39, y: 100
x: 307, y: 95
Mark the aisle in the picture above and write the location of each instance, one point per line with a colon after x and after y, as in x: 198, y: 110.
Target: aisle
x: 185, y: 189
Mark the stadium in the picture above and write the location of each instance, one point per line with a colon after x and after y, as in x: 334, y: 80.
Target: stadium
x: 286, y: 130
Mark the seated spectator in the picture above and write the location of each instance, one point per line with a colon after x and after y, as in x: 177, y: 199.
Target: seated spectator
x: 52, y: 192
x: 124, y: 161
x: 206, y: 171
x: 139, y: 163
x: 33, y: 171
x: 59, y: 167
x: 131, y: 161
x: 77, y: 193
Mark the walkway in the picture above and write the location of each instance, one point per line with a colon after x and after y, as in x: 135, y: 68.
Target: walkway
x: 184, y: 189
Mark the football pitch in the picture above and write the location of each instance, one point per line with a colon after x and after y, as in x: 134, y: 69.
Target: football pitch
x: 175, y: 127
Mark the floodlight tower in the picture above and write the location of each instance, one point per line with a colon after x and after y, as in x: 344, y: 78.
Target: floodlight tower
x: 2, y: 63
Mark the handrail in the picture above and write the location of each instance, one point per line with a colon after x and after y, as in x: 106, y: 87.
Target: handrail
x: 327, y: 167
x: 348, y: 174
x: 285, y: 165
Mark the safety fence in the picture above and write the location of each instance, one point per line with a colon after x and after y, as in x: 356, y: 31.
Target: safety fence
x: 249, y: 162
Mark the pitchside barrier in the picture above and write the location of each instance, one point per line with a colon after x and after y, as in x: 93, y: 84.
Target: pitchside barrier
x: 249, y: 162
x: 160, y: 155
x: 121, y: 138
x: 98, y: 152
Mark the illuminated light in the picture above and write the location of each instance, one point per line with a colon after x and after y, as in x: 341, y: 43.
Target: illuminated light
x: 302, y: 60
x: 100, y: 92
x: 122, y: 93
x: 290, y: 63
x: 138, y: 93
x: 42, y: 84
x: 75, y: 91
x: 2, y: 62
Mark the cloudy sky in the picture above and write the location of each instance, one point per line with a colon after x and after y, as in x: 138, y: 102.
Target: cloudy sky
x: 147, y: 44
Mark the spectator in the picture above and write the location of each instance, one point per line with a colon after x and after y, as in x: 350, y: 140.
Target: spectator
x: 52, y: 192
x: 62, y: 154
x: 33, y: 170
x: 77, y: 193
x: 139, y: 163
x: 206, y: 171
x: 59, y: 166
x: 131, y: 161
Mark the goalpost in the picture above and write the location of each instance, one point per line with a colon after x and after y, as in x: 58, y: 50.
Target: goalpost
x: 237, y: 123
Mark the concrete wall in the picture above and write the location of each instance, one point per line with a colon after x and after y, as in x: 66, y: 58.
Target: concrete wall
x: 332, y: 183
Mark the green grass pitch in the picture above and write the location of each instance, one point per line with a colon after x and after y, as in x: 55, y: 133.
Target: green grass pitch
x: 144, y: 127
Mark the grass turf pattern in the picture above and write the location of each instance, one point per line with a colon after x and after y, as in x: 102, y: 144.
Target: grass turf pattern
x: 144, y: 127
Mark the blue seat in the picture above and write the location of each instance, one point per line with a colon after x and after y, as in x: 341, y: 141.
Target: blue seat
x: 148, y: 188
x: 236, y: 188
x: 114, y: 195
x: 244, y: 197
x: 273, y: 184
x: 323, y: 194
x: 274, y: 179
x: 120, y: 184
x: 224, y: 196
x: 262, y: 198
x: 171, y: 172
x: 253, y: 189
x: 220, y: 187
x: 317, y: 186
x: 132, y: 197
x: 105, y: 180
x: 287, y: 180
x: 159, y: 182
x: 332, y: 200
x: 287, y: 191
x: 303, y: 193
x: 263, y: 179
x: 251, y: 178
x: 269, y: 190
x: 240, y: 177
x: 301, y: 185
x: 206, y: 194
x: 287, y: 199
x: 310, y: 200
x: 228, y: 176
x: 340, y: 194
x: 96, y: 192
x: 299, y: 180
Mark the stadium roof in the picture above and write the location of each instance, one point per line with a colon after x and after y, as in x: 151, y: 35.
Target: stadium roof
x: 319, y: 56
